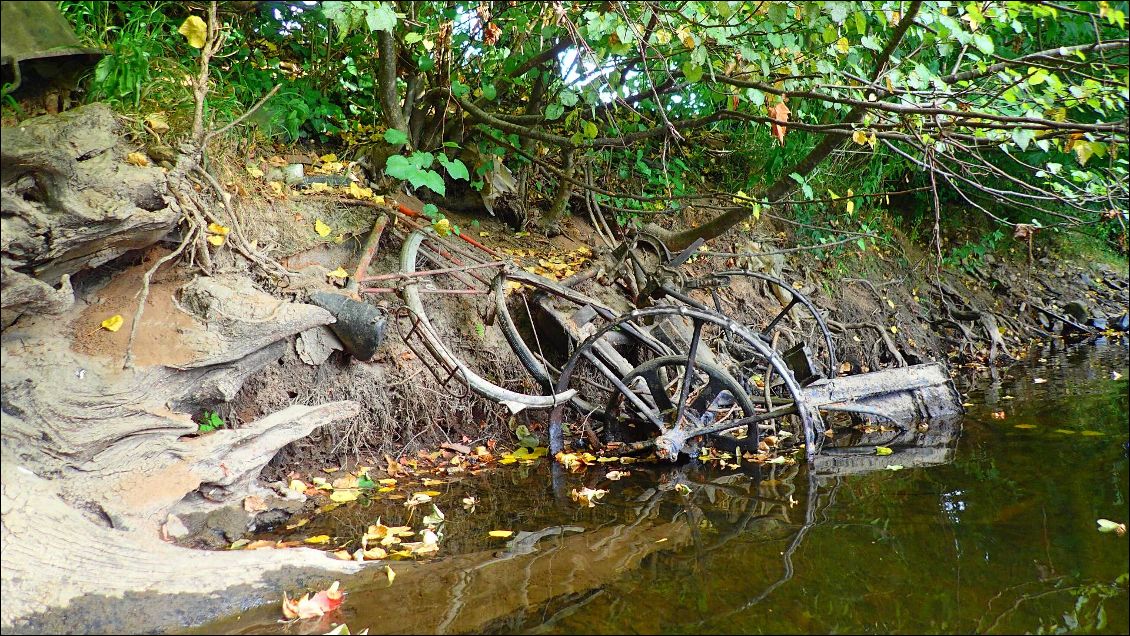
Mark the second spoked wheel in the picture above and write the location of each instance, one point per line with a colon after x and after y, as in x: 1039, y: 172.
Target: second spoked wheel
x: 671, y: 401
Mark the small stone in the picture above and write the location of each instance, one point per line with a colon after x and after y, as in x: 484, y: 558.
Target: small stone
x: 175, y: 528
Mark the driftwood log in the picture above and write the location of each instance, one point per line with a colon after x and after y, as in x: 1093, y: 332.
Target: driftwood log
x: 103, y: 466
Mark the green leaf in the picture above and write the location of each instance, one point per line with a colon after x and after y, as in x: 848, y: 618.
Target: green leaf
x: 365, y: 482
x: 983, y: 43
x: 431, y: 179
x: 489, y: 92
x: 380, y: 17
x: 396, y: 137
x: 590, y: 130
x: 459, y: 89
x: 430, y: 211
x: 693, y: 72
x: 456, y: 168
x: 413, y: 38
x: 883, y: 450
x: 554, y: 111
x: 398, y: 167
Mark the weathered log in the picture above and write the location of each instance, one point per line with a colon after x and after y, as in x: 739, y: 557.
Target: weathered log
x: 905, y: 394
x: 64, y: 573
x: 69, y: 199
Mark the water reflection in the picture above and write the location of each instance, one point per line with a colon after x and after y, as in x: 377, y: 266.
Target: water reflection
x: 986, y: 525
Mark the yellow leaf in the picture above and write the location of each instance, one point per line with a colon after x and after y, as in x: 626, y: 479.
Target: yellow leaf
x: 894, y: 329
x: 501, y: 534
x: 342, y: 496
x: 842, y: 45
x: 339, y: 273
x: 297, y: 485
x: 390, y: 573
x: 850, y: 207
x: 195, y: 31
x: 137, y: 159
x: 442, y: 227
x: 276, y: 187
x: 357, y: 192
x: 883, y: 450
x: 321, y: 538
x: 216, y: 228
x: 859, y: 137
x: 330, y: 158
x: 216, y: 239
x: 255, y: 172
x: 113, y: 323
x: 319, y: 187
x: 321, y: 228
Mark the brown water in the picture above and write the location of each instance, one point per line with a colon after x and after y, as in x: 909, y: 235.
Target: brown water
x: 999, y: 537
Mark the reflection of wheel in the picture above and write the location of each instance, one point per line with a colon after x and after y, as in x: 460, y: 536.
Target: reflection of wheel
x: 668, y: 399
x: 457, y: 274
x: 713, y: 397
x: 813, y: 331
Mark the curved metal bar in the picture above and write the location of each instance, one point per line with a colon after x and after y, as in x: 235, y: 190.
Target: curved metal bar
x: 512, y: 399
x: 831, y: 361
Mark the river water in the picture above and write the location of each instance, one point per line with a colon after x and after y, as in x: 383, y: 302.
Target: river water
x: 992, y: 532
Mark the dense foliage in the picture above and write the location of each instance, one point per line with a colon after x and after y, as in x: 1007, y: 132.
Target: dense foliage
x: 1017, y: 110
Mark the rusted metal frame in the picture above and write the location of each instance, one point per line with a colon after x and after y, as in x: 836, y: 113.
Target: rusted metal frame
x: 407, y: 338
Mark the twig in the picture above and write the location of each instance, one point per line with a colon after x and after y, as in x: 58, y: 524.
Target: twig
x: 144, y: 293
x: 243, y: 117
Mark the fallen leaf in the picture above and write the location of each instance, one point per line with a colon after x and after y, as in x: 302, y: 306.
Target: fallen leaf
x: 1024, y: 426
x: 391, y: 574
x: 1106, y: 525
x: 883, y: 450
x: 895, y: 466
x: 318, y: 540
x: 1038, y: 380
x: 587, y: 496
x: 345, y: 495
x: 137, y: 159
x: 113, y: 323
x: 297, y: 485
x: 501, y: 534
x: 321, y: 228
x: 255, y: 172
x: 216, y: 239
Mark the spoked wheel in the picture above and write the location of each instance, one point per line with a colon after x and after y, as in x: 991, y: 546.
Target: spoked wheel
x: 808, y: 328
x: 443, y: 279
x: 712, y: 398
x: 669, y: 399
